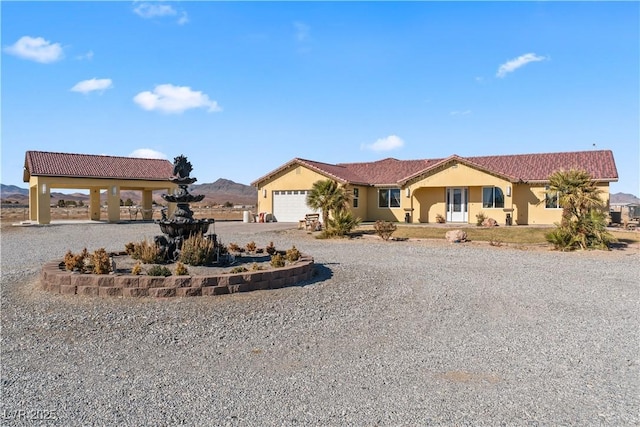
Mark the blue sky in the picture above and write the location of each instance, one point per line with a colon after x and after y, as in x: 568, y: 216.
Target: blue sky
x: 242, y: 87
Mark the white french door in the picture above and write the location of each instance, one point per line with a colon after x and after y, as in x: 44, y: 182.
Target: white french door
x: 457, y: 204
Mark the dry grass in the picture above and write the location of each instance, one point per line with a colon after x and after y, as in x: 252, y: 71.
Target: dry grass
x: 512, y: 235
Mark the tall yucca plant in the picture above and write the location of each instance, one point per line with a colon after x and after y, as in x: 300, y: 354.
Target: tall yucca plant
x: 583, y: 210
x: 327, y: 195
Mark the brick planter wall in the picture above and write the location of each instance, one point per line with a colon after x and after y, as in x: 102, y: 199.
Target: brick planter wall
x: 54, y: 278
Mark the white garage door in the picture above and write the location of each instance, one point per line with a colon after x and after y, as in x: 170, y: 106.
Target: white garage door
x: 290, y: 205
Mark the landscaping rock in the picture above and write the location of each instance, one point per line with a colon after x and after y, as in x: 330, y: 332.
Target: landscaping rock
x: 456, y: 236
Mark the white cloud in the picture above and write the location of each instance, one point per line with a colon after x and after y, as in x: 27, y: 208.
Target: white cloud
x: 391, y: 142
x: 88, y: 56
x: 156, y: 10
x: 36, y: 49
x: 168, y: 98
x: 150, y: 10
x: 147, y: 153
x: 91, y: 85
x: 513, y: 64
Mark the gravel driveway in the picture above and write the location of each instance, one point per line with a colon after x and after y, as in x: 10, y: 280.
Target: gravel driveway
x: 388, y: 333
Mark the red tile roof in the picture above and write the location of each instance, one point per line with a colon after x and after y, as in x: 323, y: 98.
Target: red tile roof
x: 515, y: 168
x: 42, y: 163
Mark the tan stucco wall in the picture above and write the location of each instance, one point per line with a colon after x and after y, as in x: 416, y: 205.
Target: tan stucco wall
x: 535, y: 213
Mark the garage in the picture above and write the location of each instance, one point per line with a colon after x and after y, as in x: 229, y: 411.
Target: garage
x: 291, y: 205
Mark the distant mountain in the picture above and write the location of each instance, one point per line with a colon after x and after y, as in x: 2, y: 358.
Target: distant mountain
x: 219, y: 192
x: 623, y: 198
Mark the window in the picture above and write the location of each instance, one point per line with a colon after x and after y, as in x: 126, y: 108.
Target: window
x: 492, y: 197
x: 354, y: 202
x: 389, y: 198
x: 551, y: 201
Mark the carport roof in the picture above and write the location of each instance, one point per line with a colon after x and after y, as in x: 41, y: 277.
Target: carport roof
x: 537, y: 167
x: 43, y: 163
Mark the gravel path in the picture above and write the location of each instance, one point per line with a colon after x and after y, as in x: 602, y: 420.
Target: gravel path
x: 388, y: 333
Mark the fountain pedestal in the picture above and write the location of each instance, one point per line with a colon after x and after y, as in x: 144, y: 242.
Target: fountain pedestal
x: 181, y: 224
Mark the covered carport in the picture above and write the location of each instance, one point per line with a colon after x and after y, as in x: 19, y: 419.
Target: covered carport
x: 96, y: 173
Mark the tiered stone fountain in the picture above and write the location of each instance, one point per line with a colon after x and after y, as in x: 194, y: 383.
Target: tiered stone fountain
x: 181, y: 224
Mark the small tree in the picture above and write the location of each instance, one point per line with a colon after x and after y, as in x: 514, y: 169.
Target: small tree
x: 328, y: 196
x: 128, y: 202
x: 584, y: 219
x: 61, y: 203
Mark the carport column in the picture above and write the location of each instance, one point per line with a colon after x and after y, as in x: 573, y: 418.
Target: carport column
x: 44, y: 200
x: 113, y: 203
x: 147, y: 204
x: 94, y: 204
x: 33, y: 202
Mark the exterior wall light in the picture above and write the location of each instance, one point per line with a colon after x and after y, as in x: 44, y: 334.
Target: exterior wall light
x: 509, y: 190
x: 114, y: 190
x: 264, y: 193
x: 407, y: 192
x: 43, y: 188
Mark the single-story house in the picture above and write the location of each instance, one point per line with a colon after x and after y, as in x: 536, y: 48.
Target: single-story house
x: 45, y: 171
x: 507, y: 188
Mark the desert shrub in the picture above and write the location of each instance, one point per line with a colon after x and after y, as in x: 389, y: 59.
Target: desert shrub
x: 440, y: 219
x: 198, y: 250
x: 342, y: 223
x: 277, y: 261
x: 251, y: 246
x: 292, y: 254
x: 136, y: 270
x: 271, y: 249
x: 561, y: 239
x: 130, y: 248
x: 238, y: 269
x: 181, y: 269
x: 147, y: 252
x: 256, y: 267
x: 101, y: 262
x: 480, y: 217
x: 384, y: 229
x: 233, y: 247
x: 159, y: 270
x: 76, y: 262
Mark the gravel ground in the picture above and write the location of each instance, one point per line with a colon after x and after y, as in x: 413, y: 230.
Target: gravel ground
x: 388, y: 333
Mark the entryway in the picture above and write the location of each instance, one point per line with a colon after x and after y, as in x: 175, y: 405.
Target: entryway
x: 457, y: 204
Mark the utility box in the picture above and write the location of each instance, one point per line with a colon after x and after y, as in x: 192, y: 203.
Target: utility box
x: 509, y: 219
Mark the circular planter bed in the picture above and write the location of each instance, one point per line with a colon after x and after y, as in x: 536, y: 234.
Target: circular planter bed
x: 207, y: 281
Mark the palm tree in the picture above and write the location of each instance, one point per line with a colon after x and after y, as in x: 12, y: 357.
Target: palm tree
x: 583, y: 210
x: 327, y: 195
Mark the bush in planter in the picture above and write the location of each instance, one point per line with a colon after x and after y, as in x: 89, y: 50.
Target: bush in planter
x: 271, y: 249
x: 277, y: 261
x: 101, y: 262
x: 181, y: 269
x: 159, y: 270
x: 198, y: 250
x: 77, y: 262
x: 292, y: 254
x: 145, y: 251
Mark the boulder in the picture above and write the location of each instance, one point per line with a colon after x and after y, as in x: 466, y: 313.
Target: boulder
x: 456, y: 236
x: 489, y: 222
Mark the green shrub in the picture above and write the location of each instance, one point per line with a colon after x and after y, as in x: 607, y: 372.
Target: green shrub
x: 238, y: 269
x: 292, y: 254
x: 198, y: 250
x: 277, y: 261
x: 342, y: 223
x: 159, y: 270
x: 384, y: 229
x: 137, y: 269
x: 251, y: 246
